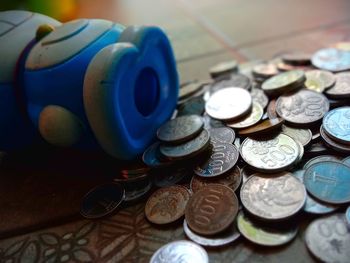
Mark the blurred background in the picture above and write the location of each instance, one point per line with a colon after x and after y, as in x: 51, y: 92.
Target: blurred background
x: 204, y: 32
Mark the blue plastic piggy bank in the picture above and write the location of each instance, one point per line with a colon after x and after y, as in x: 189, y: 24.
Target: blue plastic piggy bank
x: 89, y: 84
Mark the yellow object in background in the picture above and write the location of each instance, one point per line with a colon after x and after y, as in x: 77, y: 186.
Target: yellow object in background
x: 62, y: 10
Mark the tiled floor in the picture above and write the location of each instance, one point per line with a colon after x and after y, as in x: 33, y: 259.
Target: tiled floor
x: 43, y: 225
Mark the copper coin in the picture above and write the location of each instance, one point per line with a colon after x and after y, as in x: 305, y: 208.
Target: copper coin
x: 273, y: 197
x: 231, y: 179
x: 167, y: 204
x: 319, y: 80
x: 263, y: 127
x: 303, y: 107
x: 297, y: 58
x: 212, y: 209
x: 249, y: 120
x: 282, y: 66
x: 229, y: 103
x: 341, y: 89
x: 271, y: 109
x: 284, y: 82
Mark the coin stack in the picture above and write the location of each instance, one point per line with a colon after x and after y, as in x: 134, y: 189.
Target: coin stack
x: 250, y: 151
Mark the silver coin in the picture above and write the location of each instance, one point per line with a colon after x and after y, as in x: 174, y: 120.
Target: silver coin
x: 336, y: 124
x: 319, y: 80
x: 272, y: 155
x: 303, y: 107
x: 180, y: 251
x: 346, y: 161
x: 221, y: 239
x: 252, y: 118
x: 180, y: 129
x: 209, y: 122
x: 303, y: 136
x: 284, y: 82
x: 262, y: 235
x: 312, y: 205
x: 274, y: 197
x: 341, y: 89
x: 328, y: 239
x: 229, y: 103
x: 321, y: 158
x: 224, y: 156
x: 187, y: 149
x: 223, y: 68
x: 259, y: 96
x: 221, y: 135
x: 234, y: 80
x: 331, y: 59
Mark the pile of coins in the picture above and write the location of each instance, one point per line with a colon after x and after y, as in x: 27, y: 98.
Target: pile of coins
x: 249, y: 151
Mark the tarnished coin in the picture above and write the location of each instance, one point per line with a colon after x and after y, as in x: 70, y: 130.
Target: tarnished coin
x: 259, y: 96
x: 328, y: 239
x: 249, y: 120
x: 189, y: 89
x: 223, y: 157
x: 333, y: 144
x: 212, y: 209
x: 231, y: 179
x: 265, y: 70
x: 297, y: 58
x: 346, y: 161
x: 209, y: 122
x: 137, y: 190
x: 329, y: 182
x: 168, y: 177
x: 263, y: 235
x: 223, y: 68
x: 167, y: 204
x: 331, y: 59
x: 303, y: 107
x: 229, y: 103
x: 180, y: 129
x: 188, y: 149
x: 193, y: 106
x: 336, y: 124
x: 221, y: 135
x: 319, y: 80
x: 151, y: 156
x: 180, y: 251
x: 102, y: 200
x: 303, y: 136
x: 221, y: 239
x: 273, y: 197
x: 284, y: 82
x: 312, y: 205
x: 320, y: 159
x: 262, y: 128
x: 273, y: 155
x: 235, y: 80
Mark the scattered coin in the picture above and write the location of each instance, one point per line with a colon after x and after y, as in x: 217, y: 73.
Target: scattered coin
x: 340, y: 147
x: 223, y: 68
x: 328, y: 239
x: 259, y: 96
x: 190, y: 89
x: 271, y: 109
x: 188, y: 149
x: 273, y: 155
x: 262, y: 235
x: 224, y: 156
x: 282, y: 66
x: 234, y: 80
x: 209, y: 122
x: 212, y: 209
x: 249, y: 120
x: 346, y: 161
x: 221, y: 135
x: 331, y: 59
x: 229, y: 103
x: 232, y: 179
x: 263, y: 127
x: 167, y: 204
x: 102, y: 200
x: 193, y: 106
x: 168, y: 177
x: 320, y: 159
x: 297, y: 58
x: 180, y: 251
x: 303, y: 107
x: 303, y: 136
x: 221, y: 239
x: 246, y: 173
x: 319, y: 80
x: 341, y: 89
x: 180, y: 129
x: 273, y: 197
x: 329, y: 182
x: 336, y: 124
x: 151, y: 156
x: 283, y: 82
x: 265, y: 70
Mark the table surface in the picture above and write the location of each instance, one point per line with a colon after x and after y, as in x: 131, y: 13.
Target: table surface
x: 41, y: 190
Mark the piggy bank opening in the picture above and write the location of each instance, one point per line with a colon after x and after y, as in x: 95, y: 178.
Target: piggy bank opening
x: 89, y: 84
